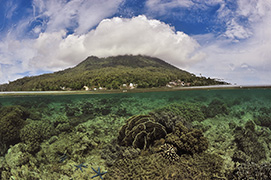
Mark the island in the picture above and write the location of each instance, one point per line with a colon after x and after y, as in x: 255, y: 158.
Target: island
x: 119, y: 72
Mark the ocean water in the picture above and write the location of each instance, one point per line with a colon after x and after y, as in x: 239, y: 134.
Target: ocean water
x: 187, y: 134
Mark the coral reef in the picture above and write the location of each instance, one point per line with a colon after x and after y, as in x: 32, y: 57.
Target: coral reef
x: 74, y: 146
x: 263, y: 118
x: 62, y: 123
x: 173, y: 113
x: 35, y: 132
x: 168, y: 119
x: 55, y: 158
x: 187, y: 140
x: 88, y: 108
x: 18, y: 156
x: 140, y: 131
x: 12, y: 119
x: 214, y: 108
x: 72, y: 111
x: 247, y: 141
x: 252, y: 170
x: 204, y: 166
x: 63, y: 131
x: 112, y: 151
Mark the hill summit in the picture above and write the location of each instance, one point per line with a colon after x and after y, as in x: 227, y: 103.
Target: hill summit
x: 111, y: 73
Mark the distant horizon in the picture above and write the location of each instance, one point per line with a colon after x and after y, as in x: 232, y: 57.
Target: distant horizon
x: 221, y: 39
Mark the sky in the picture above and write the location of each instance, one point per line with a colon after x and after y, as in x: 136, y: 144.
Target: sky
x: 224, y: 39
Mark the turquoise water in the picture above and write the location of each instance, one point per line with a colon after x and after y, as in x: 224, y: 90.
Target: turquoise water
x: 50, y: 135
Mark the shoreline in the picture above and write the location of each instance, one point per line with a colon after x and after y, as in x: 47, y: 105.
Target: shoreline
x: 138, y: 90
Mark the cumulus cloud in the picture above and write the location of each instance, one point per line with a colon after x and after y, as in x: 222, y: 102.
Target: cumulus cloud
x: 140, y: 35
x: 116, y: 36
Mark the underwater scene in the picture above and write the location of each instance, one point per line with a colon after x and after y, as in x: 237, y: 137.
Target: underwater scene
x: 188, y: 134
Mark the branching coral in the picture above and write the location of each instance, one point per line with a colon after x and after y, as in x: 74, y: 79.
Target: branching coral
x: 187, y: 140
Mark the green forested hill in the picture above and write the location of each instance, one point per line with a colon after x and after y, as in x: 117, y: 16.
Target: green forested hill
x: 110, y: 73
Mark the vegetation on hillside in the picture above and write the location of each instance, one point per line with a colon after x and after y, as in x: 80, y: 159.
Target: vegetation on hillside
x: 110, y: 73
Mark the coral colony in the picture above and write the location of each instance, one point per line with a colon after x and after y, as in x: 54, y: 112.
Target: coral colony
x: 187, y: 135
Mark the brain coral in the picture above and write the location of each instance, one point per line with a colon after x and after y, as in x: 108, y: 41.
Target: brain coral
x: 140, y: 131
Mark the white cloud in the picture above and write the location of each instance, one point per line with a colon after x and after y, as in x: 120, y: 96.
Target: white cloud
x: 48, y: 23
x: 236, y: 18
x: 14, y: 58
x: 140, y: 35
x: 79, y: 14
x: 236, y: 31
x: 255, y: 10
x: 241, y: 20
x: 116, y: 36
x: 11, y: 7
x: 163, y: 6
x: 247, y: 61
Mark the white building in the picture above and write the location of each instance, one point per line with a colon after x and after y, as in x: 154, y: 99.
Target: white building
x: 86, y: 88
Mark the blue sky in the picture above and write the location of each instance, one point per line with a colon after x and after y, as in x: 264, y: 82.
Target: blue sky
x: 225, y: 39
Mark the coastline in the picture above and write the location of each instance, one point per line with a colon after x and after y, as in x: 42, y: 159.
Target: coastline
x: 138, y: 90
